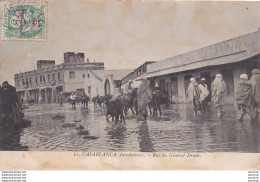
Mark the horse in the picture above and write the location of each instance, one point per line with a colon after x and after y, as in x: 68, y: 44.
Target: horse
x: 101, y: 100
x: 84, y: 100
x: 130, y: 101
x: 94, y: 100
x: 158, y: 98
x: 115, y: 110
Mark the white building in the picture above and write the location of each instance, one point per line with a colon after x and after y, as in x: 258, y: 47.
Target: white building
x: 104, y: 82
x: 50, y: 79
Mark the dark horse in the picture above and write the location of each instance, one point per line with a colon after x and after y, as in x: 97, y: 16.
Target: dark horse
x: 94, y: 99
x: 158, y: 97
x: 130, y: 101
x: 115, y: 109
x: 84, y: 100
x: 101, y: 100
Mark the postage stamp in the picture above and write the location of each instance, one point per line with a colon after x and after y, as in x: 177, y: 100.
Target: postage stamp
x: 24, y: 21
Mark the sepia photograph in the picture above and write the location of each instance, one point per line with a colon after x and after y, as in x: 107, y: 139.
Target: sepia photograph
x: 130, y: 76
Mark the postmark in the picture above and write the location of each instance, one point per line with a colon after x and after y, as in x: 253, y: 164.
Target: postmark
x: 24, y: 21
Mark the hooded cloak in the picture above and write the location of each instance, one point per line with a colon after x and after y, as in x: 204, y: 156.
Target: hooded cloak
x: 255, y: 81
x: 144, y: 95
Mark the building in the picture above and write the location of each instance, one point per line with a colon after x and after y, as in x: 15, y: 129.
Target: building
x: 230, y: 58
x: 104, y: 82
x: 137, y: 73
x: 50, y: 79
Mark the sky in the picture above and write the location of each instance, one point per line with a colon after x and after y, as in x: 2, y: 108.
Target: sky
x: 125, y: 34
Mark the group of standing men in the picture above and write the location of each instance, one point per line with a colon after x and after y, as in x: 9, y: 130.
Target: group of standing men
x: 247, y: 95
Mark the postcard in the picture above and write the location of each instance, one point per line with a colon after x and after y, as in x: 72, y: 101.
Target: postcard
x: 129, y: 85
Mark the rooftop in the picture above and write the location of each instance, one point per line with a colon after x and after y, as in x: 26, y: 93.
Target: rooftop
x: 61, y: 66
x: 236, y: 46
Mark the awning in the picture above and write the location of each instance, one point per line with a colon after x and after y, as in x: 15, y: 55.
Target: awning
x: 205, y: 63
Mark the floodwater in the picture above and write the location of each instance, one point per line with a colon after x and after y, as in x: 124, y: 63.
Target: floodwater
x: 56, y: 128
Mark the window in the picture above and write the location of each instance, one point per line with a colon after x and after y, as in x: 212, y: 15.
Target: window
x: 83, y: 76
x: 18, y: 83
x: 48, y: 77
x: 72, y: 75
x: 53, y: 76
x: 23, y: 81
x: 43, y: 78
x: 88, y: 75
x: 36, y: 81
x: 144, y: 69
x: 30, y: 81
x: 40, y: 78
x: 58, y: 76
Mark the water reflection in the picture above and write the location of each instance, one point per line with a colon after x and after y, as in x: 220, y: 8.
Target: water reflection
x: 10, y: 140
x: 145, y: 140
x: 86, y: 129
x: 116, y: 135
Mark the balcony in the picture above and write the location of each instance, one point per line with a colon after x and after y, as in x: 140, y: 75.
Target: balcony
x: 29, y: 86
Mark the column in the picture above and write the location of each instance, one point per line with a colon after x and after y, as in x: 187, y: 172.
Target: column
x: 53, y: 94
x: 56, y: 94
x: 26, y: 95
x: 46, y: 95
x: 181, y: 88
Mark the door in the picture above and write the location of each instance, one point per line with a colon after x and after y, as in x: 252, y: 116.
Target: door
x: 174, y: 85
x: 43, y: 95
x: 174, y: 89
x: 168, y: 90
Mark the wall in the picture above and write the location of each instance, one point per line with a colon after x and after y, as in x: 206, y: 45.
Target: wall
x: 71, y: 84
x: 96, y: 85
x: 33, y: 84
x: 231, y: 77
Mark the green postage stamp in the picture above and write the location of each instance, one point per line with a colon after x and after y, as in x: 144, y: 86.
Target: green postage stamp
x: 24, y: 21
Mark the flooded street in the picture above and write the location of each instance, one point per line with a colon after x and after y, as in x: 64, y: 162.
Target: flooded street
x: 56, y: 128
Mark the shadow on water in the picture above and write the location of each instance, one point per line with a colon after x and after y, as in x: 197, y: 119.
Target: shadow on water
x: 145, y: 143
x: 117, y: 135
x: 10, y: 139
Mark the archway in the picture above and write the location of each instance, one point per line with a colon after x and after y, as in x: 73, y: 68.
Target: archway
x: 107, y: 87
